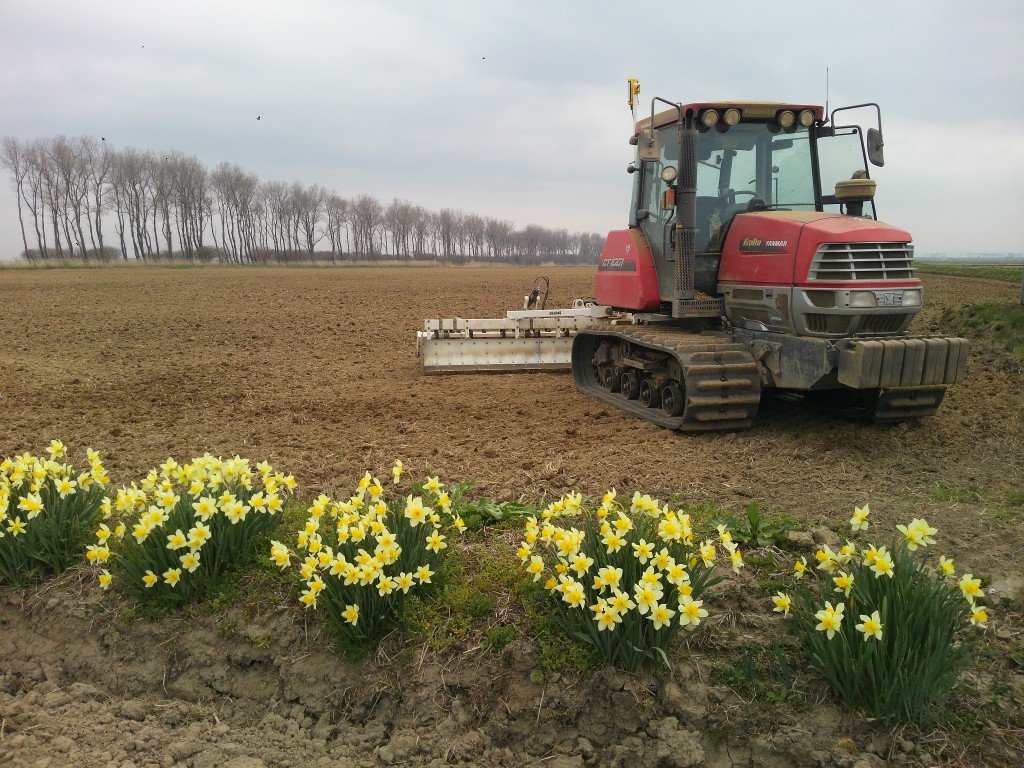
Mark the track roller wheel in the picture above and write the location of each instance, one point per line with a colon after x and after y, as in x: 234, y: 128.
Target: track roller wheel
x: 609, y: 378
x: 649, y: 395
x: 630, y: 384
x: 672, y: 401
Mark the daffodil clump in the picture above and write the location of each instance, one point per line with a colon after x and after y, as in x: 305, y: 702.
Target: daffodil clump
x: 47, y: 511
x: 884, y: 626
x: 358, y: 558
x: 168, y: 537
x: 626, y: 580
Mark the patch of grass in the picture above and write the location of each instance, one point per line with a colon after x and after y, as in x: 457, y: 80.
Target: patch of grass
x: 964, y: 493
x: 226, y: 627
x: 261, y: 641
x: 762, y: 673
x: 987, y: 271
x: 556, y: 651
x: 468, y: 588
x: 498, y: 637
x: 993, y: 324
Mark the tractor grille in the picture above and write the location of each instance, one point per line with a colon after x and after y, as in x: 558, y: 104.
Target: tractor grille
x: 883, y: 323
x: 862, y: 261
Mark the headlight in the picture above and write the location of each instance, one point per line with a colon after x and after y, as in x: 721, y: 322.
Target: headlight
x: 669, y: 174
x: 862, y: 299
x: 807, y: 118
x: 732, y: 116
x: 912, y: 298
x: 709, y: 118
x: 786, y: 119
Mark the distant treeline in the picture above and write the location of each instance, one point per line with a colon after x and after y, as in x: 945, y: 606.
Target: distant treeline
x: 168, y: 205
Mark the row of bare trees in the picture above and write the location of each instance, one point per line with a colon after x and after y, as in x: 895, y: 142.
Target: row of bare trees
x: 165, y: 205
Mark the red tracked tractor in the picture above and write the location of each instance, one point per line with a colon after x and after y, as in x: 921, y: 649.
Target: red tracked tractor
x: 753, y: 261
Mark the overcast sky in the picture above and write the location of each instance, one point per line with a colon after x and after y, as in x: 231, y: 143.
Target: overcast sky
x: 518, y: 109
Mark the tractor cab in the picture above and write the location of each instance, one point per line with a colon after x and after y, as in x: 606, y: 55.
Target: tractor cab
x: 750, y: 157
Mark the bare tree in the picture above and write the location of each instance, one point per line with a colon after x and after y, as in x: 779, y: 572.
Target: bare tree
x: 337, y: 211
x: 367, y: 225
x: 13, y: 159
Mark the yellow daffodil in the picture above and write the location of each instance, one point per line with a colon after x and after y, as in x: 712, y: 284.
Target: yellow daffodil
x: 415, y: 512
x: 150, y: 579
x: 708, y: 553
x: 351, y: 614
x: 690, y: 611
x: 661, y: 615
x: 859, y: 521
x: 177, y: 540
x: 643, y: 551
x: 882, y: 565
x: 172, y: 576
x: 946, y: 566
x: 830, y: 619
x: 105, y: 579
x: 536, y: 567
x: 970, y: 586
x: 843, y: 582
x: 574, y: 595
x: 621, y: 602
x: 423, y: 574
x: 827, y: 559
x: 783, y: 603
x: 404, y: 581
x: 646, y: 597
x: 676, y: 574
x: 651, y: 578
x: 436, y: 542
x: 190, y: 561
x: 871, y: 626
x: 979, y: 616
x: 918, y: 533
x: 205, y: 508
x: 613, y: 542
x: 581, y: 563
x: 663, y: 559
x: 736, y: 558
x: 32, y: 504
x: 607, y: 619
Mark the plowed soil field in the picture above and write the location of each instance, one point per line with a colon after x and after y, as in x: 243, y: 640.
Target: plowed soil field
x: 315, y: 369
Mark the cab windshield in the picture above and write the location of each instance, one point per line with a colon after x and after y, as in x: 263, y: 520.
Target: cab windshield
x: 746, y: 168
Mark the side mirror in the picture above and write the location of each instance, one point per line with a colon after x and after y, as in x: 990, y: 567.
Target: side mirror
x: 875, y: 144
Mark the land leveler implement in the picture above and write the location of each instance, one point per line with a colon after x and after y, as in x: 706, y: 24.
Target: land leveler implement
x: 753, y: 262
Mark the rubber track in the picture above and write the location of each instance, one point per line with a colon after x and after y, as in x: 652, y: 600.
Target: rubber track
x: 722, y: 385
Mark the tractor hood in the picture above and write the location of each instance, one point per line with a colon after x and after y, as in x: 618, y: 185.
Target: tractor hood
x: 788, y: 248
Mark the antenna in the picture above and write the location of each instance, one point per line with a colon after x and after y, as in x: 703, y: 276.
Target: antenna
x: 826, y: 93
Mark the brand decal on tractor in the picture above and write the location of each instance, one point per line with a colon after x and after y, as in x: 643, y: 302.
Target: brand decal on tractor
x: 763, y: 246
x: 617, y: 264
